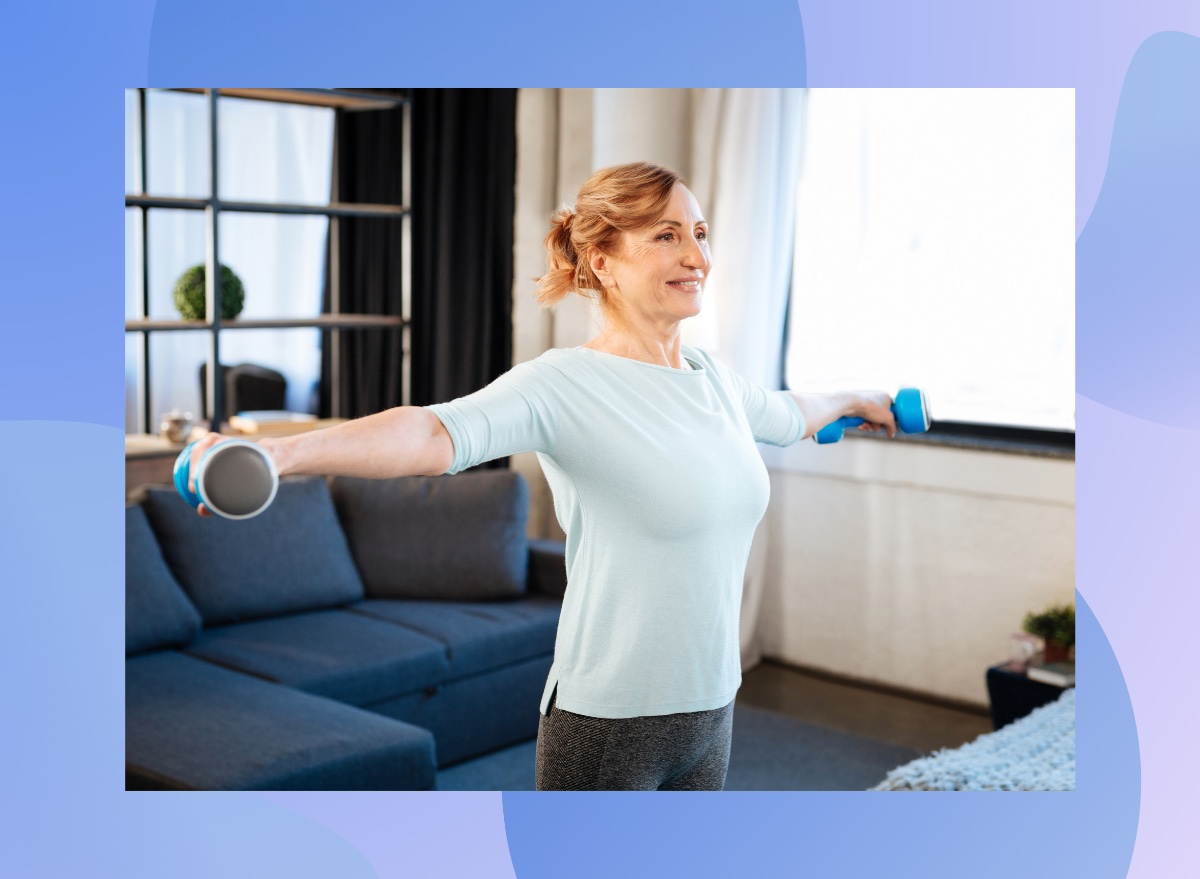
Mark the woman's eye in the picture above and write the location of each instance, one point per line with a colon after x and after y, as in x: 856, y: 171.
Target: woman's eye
x: 702, y: 235
x: 665, y: 235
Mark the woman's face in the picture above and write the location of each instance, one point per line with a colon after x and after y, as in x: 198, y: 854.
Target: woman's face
x: 661, y: 268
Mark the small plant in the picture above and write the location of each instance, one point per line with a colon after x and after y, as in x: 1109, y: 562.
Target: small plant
x: 190, y: 297
x: 1054, y: 626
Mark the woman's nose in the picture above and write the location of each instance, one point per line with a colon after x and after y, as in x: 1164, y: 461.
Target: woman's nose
x: 694, y: 255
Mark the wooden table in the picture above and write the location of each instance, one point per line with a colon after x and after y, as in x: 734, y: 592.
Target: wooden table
x: 150, y: 459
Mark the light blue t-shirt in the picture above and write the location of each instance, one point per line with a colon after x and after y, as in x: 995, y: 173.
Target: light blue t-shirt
x: 659, y: 487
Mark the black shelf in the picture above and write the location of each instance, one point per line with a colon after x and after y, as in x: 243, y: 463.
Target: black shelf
x: 323, y: 321
x: 254, y: 207
x: 335, y: 99
x: 340, y: 100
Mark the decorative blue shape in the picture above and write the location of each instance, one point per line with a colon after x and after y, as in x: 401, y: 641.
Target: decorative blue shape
x: 1089, y: 832
x: 1138, y: 258
x: 541, y: 42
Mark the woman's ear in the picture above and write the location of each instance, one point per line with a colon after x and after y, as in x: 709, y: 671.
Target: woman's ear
x: 599, y: 266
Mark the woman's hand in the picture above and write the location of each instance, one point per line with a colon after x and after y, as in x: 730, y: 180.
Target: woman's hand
x: 875, y: 408
x: 202, y: 445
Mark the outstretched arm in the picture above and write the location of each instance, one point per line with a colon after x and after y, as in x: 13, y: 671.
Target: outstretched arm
x: 874, y: 407
x: 402, y: 441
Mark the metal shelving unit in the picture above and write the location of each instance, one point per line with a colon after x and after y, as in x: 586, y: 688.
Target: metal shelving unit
x: 213, y: 206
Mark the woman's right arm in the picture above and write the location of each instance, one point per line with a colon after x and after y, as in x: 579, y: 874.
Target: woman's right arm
x: 402, y: 441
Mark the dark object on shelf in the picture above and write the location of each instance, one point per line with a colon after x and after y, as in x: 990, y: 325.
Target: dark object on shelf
x: 247, y: 386
x: 191, y: 298
x: 1013, y: 695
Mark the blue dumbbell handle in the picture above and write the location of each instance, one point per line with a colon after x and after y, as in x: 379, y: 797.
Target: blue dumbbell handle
x: 183, y: 465
x: 910, y: 410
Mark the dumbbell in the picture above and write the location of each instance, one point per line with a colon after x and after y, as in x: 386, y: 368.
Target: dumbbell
x: 909, y: 407
x: 236, y: 478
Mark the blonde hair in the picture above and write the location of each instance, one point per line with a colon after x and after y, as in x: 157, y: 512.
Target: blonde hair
x: 611, y: 201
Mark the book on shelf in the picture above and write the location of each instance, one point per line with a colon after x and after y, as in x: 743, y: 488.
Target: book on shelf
x: 265, y: 421
x: 1060, y: 674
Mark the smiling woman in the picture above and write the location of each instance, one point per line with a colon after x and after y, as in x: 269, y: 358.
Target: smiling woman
x: 648, y: 446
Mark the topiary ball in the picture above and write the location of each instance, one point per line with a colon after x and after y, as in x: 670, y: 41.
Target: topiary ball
x: 190, y: 299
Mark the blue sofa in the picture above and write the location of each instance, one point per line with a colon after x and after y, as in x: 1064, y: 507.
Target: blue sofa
x: 358, y: 635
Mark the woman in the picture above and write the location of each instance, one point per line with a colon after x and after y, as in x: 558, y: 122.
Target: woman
x: 649, y: 449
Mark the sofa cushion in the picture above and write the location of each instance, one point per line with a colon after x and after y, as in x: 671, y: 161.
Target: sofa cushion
x: 291, y: 557
x: 475, y: 715
x: 157, y: 613
x: 548, y: 567
x: 479, y: 635
x: 193, y: 725
x: 334, y: 653
x: 438, y: 537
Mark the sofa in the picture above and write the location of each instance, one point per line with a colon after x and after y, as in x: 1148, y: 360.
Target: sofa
x: 359, y: 634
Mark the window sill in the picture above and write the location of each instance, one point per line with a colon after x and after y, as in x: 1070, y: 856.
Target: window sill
x: 962, y: 464
x: 974, y: 443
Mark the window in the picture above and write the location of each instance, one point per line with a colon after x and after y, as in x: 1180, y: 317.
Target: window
x: 935, y: 248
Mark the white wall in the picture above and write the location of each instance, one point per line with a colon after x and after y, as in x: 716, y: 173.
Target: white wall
x: 889, y: 562
x: 911, y: 565
x: 621, y: 132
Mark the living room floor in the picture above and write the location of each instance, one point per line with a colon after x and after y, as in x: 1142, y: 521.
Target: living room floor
x: 862, y: 709
x: 795, y: 729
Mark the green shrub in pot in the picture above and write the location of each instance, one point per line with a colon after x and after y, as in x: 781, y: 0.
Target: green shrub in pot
x: 1055, y: 626
x: 190, y: 296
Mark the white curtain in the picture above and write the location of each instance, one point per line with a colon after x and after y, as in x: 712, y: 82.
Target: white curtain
x: 746, y: 151
x: 268, y: 153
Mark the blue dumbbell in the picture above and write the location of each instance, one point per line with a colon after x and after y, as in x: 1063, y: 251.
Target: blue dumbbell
x: 909, y: 407
x: 235, y: 479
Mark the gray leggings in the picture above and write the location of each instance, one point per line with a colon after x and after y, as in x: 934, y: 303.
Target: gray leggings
x: 687, y: 751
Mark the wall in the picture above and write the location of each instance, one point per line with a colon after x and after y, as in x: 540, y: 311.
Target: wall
x: 911, y: 565
x: 889, y: 562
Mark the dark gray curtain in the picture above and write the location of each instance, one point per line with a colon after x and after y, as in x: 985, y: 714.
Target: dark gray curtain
x: 367, y: 151
x: 464, y: 143
x: 463, y: 176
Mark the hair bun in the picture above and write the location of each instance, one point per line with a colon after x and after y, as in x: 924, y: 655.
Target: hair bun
x: 564, y: 219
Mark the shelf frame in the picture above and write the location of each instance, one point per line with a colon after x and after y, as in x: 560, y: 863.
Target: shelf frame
x: 340, y: 100
x: 334, y: 209
x: 321, y: 322
x: 335, y: 99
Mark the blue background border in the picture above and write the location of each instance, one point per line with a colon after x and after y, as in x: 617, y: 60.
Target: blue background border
x: 1135, y: 71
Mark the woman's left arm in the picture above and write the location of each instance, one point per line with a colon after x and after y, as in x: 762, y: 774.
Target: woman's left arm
x: 874, y: 407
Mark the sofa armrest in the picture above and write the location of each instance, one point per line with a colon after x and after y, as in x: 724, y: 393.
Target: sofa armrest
x: 547, y: 567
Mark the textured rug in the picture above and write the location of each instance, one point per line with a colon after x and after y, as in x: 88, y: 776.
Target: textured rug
x: 1035, y: 752
x: 770, y: 751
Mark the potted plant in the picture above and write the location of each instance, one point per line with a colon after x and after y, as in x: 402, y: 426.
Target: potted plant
x: 1056, y: 627
x: 190, y: 295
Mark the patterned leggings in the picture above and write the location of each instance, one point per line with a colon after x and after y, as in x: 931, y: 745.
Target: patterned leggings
x: 686, y: 751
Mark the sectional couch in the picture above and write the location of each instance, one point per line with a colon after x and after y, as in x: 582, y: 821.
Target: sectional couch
x: 358, y: 635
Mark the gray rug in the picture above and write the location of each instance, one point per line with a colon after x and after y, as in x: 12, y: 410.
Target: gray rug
x: 770, y: 751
